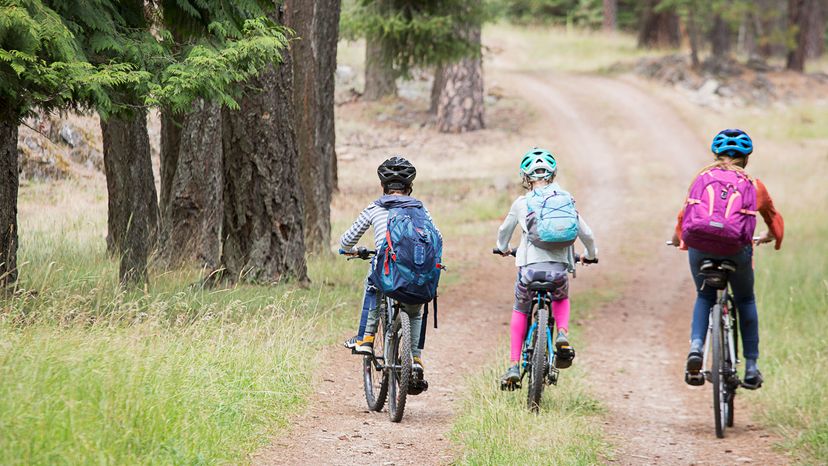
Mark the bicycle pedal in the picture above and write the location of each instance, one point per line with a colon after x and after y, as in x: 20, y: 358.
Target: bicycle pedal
x: 417, y: 387
x: 695, y: 380
x: 509, y: 386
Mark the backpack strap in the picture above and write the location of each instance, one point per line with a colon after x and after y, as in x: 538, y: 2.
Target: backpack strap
x: 423, y: 326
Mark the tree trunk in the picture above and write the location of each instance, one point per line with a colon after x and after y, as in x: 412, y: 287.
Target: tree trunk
x: 437, y: 88
x: 720, y: 38
x: 799, y: 18
x: 316, y: 23
x: 658, y: 29
x: 610, y: 15
x: 380, y: 79
x: 693, y: 33
x: 170, y: 143
x: 815, y: 40
x: 191, y: 220
x: 133, y: 206
x: 263, y: 233
x: 461, y: 104
x: 8, y: 202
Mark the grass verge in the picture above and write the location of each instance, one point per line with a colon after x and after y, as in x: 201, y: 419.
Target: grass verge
x: 495, y: 427
x: 792, y: 293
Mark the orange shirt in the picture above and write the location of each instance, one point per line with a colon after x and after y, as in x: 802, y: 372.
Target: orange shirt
x: 764, y: 204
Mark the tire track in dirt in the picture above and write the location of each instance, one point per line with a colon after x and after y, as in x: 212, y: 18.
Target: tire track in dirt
x: 635, y: 158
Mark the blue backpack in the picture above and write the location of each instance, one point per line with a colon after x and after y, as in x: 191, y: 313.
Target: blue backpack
x: 551, y: 221
x: 408, y: 265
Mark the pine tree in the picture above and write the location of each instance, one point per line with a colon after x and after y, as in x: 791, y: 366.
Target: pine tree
x: 408, y: 34
x: 42, y: 67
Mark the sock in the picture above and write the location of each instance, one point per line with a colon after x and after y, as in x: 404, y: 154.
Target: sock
x: 518, y: 332
x: 560, y: 310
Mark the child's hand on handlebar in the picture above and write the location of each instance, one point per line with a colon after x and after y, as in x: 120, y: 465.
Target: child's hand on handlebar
x: 766, y: 237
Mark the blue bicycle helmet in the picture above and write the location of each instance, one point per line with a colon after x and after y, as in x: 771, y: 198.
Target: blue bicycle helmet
x: 732, y: 143
x: 538, y: 164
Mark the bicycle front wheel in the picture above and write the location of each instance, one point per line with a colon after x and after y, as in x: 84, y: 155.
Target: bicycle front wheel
x: 399, y: 355
x: 374, y: 374
x: 539, y: 359
x: 717, y: 376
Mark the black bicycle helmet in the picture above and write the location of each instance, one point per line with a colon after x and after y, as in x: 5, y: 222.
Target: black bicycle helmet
x: 396, y: 173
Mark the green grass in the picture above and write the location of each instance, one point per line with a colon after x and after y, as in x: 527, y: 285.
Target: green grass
x: 544, y: 48
x: 495, y: 427
x: 792, y: 294
x: 170, y: 374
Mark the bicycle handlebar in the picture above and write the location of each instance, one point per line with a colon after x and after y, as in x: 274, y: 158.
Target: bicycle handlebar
x: 513, y: 252
x: 670, y: 242
x: 361, y: 253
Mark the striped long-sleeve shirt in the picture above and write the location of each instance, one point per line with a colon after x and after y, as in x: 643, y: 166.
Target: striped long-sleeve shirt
x: 373, y: 215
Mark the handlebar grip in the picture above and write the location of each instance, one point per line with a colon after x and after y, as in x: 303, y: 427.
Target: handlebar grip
x: 512, y: 253
x: 342, y: 252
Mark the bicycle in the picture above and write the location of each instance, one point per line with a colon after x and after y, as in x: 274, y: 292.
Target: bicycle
x: 392, y: 342
x: 720, y: 357
x: 542, y: 365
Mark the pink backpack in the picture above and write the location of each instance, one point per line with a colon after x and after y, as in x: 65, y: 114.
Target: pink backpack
x: 720, y: 213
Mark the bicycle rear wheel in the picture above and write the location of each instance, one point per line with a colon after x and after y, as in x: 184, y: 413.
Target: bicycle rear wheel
x: 374, y: 374
x: 399, y: 355
x: 539, y: 359
x: 717, y: 376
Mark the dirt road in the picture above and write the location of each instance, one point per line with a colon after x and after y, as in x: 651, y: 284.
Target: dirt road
x: 630, y: 157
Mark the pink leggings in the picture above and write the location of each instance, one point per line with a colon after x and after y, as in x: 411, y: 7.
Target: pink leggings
x: 520, y: 322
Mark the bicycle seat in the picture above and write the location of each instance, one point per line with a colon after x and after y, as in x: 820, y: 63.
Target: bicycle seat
x: 542, y: 286
x: 714, y: 272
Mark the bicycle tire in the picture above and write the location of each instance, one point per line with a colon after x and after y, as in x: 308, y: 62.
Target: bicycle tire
x: 400, y: 375
x: 374, y: 379
x: 540, y: 358
x: 716, y: 369
x: 734, y: 334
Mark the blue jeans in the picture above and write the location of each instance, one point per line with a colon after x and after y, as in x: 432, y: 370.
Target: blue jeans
x: 741, y: 283
x: 369, y: 316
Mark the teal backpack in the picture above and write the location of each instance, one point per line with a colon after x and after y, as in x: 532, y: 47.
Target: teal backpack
x: 552, y: 221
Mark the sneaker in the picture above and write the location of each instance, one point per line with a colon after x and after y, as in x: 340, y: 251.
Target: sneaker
x: 753, y: 378
x: 418, y: 384
x: 364, y: 346
x: 511, y: 379
x: 693, y: 366
x: 564, y: 352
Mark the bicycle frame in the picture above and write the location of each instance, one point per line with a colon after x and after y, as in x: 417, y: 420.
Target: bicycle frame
x: 725, y: 300
x: 539, y: 300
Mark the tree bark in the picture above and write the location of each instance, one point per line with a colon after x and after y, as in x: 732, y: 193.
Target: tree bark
x: 8, y: 202
x: 720, y: 38
x: 610, y: 15
x: 799, y: 18
x: 380, y: 79
x: 437, y: 88
x: 263, y: 231
x: 316, y: 22
x: 132, y: 204
x: 461, y: 104
x: 658, y: 29
x: 171, y: 125
x: 815, y: 40
x: 191, y: 220
x: 693, y: 33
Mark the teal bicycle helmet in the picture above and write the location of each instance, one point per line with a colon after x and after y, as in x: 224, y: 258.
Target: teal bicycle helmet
x: 538, y: 164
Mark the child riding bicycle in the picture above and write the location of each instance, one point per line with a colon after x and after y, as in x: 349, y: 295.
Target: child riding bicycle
x: 396, y: 177
x: 717, y: 222
x: 543, y: 213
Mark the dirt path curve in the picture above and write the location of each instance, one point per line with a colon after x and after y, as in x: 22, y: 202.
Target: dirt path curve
x: 636, y: 344
x: 634, y: 347
x: 339, y: 429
